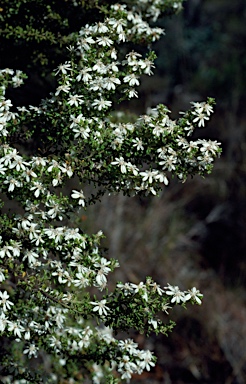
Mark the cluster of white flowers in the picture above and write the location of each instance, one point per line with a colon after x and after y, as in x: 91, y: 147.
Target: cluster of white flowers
x: 45, y: 267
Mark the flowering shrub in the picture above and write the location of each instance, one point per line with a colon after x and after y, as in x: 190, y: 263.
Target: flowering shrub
x: 49, y: 317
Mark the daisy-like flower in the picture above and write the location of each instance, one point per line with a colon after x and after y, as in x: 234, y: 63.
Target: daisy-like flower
x: 109, y: 83
x: 149, y: 175
x: 81, y: 131
x: 174, y: 291
x: 17, y: 81
x: 165, y: 307
x: 101, y: 104
x: 146, y: 362
x: 162, y: 178
x: 16, y: 328
x: 200, y: 117
x: 132, y: 168
x: 84, y: 75
x: 79, y: 195
x: 131, y: 93
x: 100, y: 307
x: 12, y: 183
x: 121, y: 162
x: 37, y: 161
x: 127, y: 288
x: 209, y: 146
x: 64, y: 68
x: 101, y: 27
x: 19, y: 164
x: 38, y: 188
x: 6, y: 250
x: 31, y: 350
x: 104, y: 41
x: 75, y: 100
x: 82, y: 281
x: 28, y: 174
x: 63, y: 88
x: 132, y: 79
x: 146, y: 65
x: 31, y: 256
x: 156, y: 288
x: 117, y: 25
x: 66, y: 168
x: 128, y: 345
x: 194, y: 294
x: 4, y: 302
x: 138, y: 144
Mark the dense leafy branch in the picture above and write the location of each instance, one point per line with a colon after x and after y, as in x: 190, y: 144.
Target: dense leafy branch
x: 47, y: 264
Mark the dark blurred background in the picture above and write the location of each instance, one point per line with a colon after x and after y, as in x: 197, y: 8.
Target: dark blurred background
x: 194, y: 233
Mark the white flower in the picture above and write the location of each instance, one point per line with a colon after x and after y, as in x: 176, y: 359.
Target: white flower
x: 3, y: 321
x: 84, y: 75
x: 65, y: 88
x: 82, y: 281
x: 128, y: 345
x: 174, y: 291
x: 75, y: 100
x: 117, y: 25
x: 132, y: 79
x: 19, y: 164
x: 12, y: 183
x: 156, y: 288
x: 131, y: 93
x: 146, y: 362
x: 109, y: 83
x: 138, y: 144
x: 149, y: 175
x: 121, y: 162
x: 55, y: 233
x: 146, y: 65
x: 6, y: 304
x: 195, y: 295
x: 28, y: 173
x: 101, y: 27
x: 31, y: 350
x: 63, y: 276
x: 2, y: 276
x: 16, y: 328
x: 65, y: 168
x: 127, y: 288
x: 6, y: 250
x: 101, y: 104
x: 37, y: 161
x: 33, y: 231
x: 17, y: 81
x: 162, y: 178
x: 100, y: 307
x: 209, y: 146
x: 38, y: 188
x: 31, y: 256
x: 104, y: 41
x: 169, y: 163
x: 81, y: 131
x: 165, y: 308
x: 132, y: 168
x: 200, y: 117
x: 64, y: 68
x: 79, y: 195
